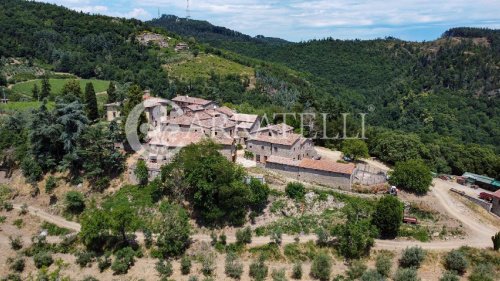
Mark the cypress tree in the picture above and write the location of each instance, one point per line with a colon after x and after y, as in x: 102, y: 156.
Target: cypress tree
x: 36, y: 92
x: 91, y: 102
x: 45, y: 88
x: 111, y: 92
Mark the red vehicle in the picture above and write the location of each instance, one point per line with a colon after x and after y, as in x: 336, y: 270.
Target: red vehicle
x: 486, y: 196
x: 410, y: 220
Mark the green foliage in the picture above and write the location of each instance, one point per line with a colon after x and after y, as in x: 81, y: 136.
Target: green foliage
x: 279, y: 275
x: 103, y: 262
x: 53, y: 229
x: 75, y: 203
x: 233, y: 267
x: 297, y: 271
x: 18, y: 223
x: 449, y: 276
x: 372, y: 275
x: 383, y: 264
x: 412, y: 175
x: 84, y: 258
x: 141, y: 172
x: 295, y: 190
x: 208, y: 265
x: 356, y: 269
x: 111, y: 91
x: 355, y: 238
x: 164, y: 268
x: 16, y: 243
x: 321, y: 266
x: 16, y: 264
x: 395, y: 147
x: 42, y: 259
x: 406, y: 274
x: 455, y: 261
x: 388, y: 216
x: 185, y: 265
x: 50, y: 184
x: 355, y: 148
x: 483, y: 272
x: 173, y: 237
x: 244, y: 236
x: 31, y: 170
x: 91, y: 102
x: 258, y: 270
x: 124, y: 259
x: 46, y: 88
x: 496, y: 241
x: 412, y: 257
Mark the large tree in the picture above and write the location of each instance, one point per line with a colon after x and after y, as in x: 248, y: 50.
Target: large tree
x: 355, y: 148
x: 388, y: 216
x: 91, y: 102
x: 46, y: 87
x: 35, y: 92
x: 71, y: 91
x: 412, y: 175
x: 111, y: 91
x: 174, y: 230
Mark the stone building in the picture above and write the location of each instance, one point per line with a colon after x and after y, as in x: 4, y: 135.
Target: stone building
x: 495, y: 207
x: 190, y: 104
x: 112, y: 111
x: 323, y: 172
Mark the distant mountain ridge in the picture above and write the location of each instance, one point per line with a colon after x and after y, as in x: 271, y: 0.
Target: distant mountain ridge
x: 207, y: 32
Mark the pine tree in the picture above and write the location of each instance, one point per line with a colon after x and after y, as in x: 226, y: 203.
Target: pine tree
x: 111, y: 92
x: 71, y: 91
x: 45, y: 93
x: 91, y: 102
x: 36, y: 92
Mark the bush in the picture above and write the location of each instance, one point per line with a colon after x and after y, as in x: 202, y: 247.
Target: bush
x: 208, y: 263
x: 53, y: 229
x: 84, y: 258
x: 321, y: 266
x: 295, y: 190
x: 356, y: 269
x: 297, y: 271
x: 258, y: 270
x: 104, y: 262
x: 124, y: 259
x: 185, y: 265
x: 148, y: 238
x: 276, y: 236
x: 141, y: 172
x: 16, y: 264
x: 51, y: 184
x: 244, y: 236
x: 412, y: 257
x: 455, y: 261
x: 193, y: 278
x: 42, y: 259
x: 16, y: 243
x: 383, y: 264
x: 449, y: 276
x: 164, y: 268
x: 24, y: 209
x: 75, y: 202
x: 388, y: 216
x: 412, y: 175
x: 323, y: 236
x: 372, y: 275
x: 496, y: 241
x: 8, y: 206
x: 18, y: 223
x: 406, y: 274
x: 233, y: 267
x: 279, y: 275
x: 482, y: 272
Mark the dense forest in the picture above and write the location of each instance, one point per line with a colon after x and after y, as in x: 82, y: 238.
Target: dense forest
x: 437, y: 101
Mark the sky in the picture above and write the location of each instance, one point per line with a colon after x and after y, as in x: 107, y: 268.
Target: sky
x: 301, y: 20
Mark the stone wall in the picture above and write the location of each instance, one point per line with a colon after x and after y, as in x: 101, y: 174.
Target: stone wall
x: 495, y: 208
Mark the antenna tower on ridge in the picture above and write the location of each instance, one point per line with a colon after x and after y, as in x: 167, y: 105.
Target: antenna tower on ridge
x: 188, y: 12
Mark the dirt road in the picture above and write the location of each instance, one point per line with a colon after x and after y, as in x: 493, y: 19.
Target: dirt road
x: 479, y: 232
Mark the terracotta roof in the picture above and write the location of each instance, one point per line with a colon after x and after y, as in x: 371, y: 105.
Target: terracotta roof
x: 152, y: 102
x: 285, y: 139
x: 249, y: 118
x: 223, y: 140
x: 280, y: 128
x: 185, y: 120
x: 245, y: 125
x: 497, y: 194
x: 191, y: 100
x: 215, y: 122
x: 195, y: 107
x: 225, y: 110
x: 329, y: 166
x: 176, y: 139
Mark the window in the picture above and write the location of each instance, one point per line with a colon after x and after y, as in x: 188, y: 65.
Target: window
x: 114, y: 114
x: 275, y: 149
x: 257, y: 158
x: 261, y: 147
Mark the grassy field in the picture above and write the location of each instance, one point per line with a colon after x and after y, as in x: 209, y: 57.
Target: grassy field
x: 203, y: 65
x: 23, y: 106
x: 57, y: 85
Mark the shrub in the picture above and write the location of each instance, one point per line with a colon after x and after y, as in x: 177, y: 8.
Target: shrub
x: 51, y: 184
x: 321, y: 266
x: 148, y: 237
x: 16, y: 264
x: 297, y: 271
x: 141, y: 172
x: 258, y: 270
x: 455, y: 260
x: 388, y: 216
x: 185, y: 265
x: 223, y: 239
x: 406, y: 274
x: 84, y: 258
x: 276, y: 236
x: 412, y: 175
x: 279, y: 275
x: 383, y: 264
x: 496, y: 241
x: 53, y: 229
x: 482, y: 272
x: 323, y: 236
x: 103, y: 262
x: 356, y: 269
x: 124, y: 259
x: 295, y: 190
x: 412, y: 257
x: 8, y: 206
x: 16, y: 243
x: 372, y: 275
x: 74, y: 202
x: 233, y: 267
x: 193, y: 278
x: 18, y: 223
x: 43, y: 259
x: 244, y: 236
x: 208, y: 263
x: 164, y: 268
x: 449, y: 276
x: 24, y: 209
